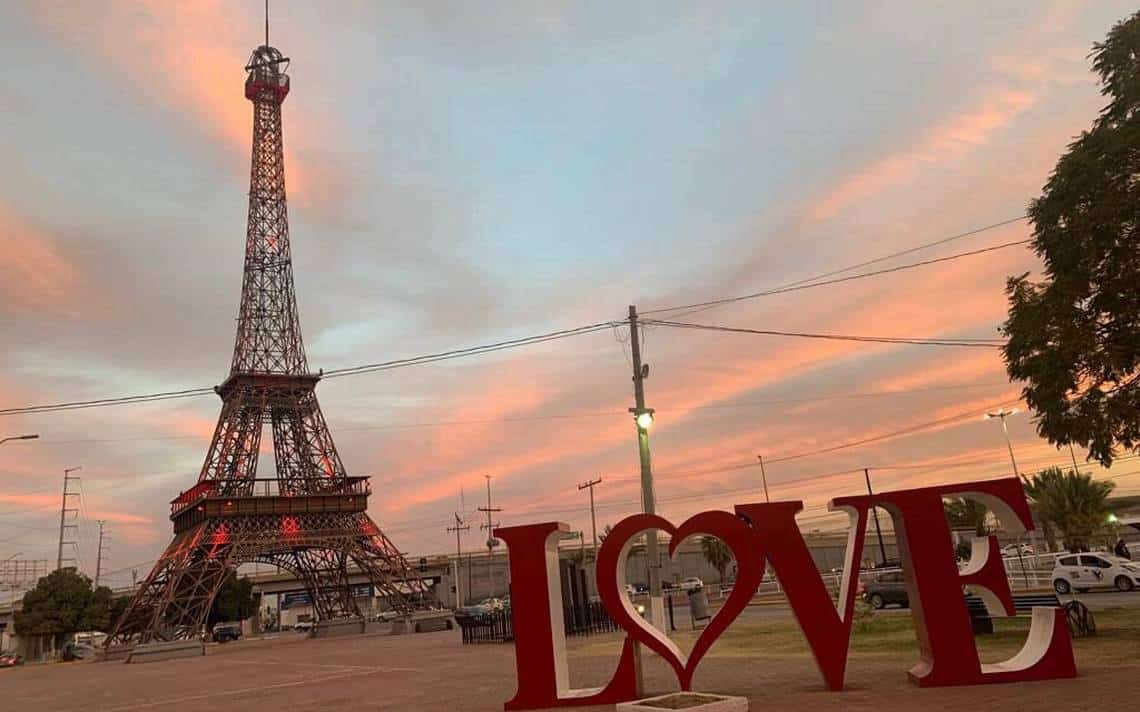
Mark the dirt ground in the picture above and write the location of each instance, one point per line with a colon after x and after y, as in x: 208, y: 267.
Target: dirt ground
x: 763, y: 661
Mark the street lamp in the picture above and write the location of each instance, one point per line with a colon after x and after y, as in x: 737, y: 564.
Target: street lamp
x: 644, y: 419
x: 33, y: 436
x: 1003, y: 414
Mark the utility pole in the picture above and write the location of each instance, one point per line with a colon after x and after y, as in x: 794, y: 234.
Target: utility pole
x: 875, y: 511
x: 491, y: 541
x: 593, y: 520
x: 643, y: 418
x: 459, y: 527
x: 764, y: 479
x: 99, y: 555
x: 63, y: 510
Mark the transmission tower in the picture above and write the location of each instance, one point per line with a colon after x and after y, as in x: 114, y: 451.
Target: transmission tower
x: 99, y: 555
x: 311, y: 518
x: 65, y: 510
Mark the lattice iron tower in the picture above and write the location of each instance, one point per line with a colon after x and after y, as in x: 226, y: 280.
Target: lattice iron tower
x: 310, y: 519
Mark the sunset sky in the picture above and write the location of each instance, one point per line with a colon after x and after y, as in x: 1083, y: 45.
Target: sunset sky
x: 464, y: 173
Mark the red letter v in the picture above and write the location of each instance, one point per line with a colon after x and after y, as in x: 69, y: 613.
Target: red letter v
x: 826, y: 625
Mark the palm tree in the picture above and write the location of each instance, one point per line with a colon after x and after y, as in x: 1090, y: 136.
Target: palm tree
x: 964, y: 513
x: 1073, y: 502
x: 716, y: 553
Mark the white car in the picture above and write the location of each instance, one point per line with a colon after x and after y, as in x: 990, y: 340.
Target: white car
x: 1087, y: 571
x: 1013, y: 550
x: 691, y: 584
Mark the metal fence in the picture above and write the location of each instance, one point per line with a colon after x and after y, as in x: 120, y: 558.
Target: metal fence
x: 497, y: 627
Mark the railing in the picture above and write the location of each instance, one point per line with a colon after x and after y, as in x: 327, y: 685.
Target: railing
x: 269, y: 487
x: 498, y: 627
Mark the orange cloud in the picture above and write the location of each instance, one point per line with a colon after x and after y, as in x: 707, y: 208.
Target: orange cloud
x: 190, y: 57
x: 33, y: 273
x: 950, y: 140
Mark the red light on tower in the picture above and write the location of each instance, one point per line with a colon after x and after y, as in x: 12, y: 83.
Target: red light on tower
x: 220, y: 538
x: 289, y: 526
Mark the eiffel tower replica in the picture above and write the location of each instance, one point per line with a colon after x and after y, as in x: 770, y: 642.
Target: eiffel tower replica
x: 311, y: 518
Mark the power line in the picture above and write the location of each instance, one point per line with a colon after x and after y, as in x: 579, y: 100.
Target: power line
x: 867, y: 263
x: 335, y: 373
x: 839, y: 280
x: 917, y: 341
x: 472, y: 351
x: 565, y: 416
x: 834, y: 448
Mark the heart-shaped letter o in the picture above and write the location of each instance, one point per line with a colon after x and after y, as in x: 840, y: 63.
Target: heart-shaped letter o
x: 611, y: 582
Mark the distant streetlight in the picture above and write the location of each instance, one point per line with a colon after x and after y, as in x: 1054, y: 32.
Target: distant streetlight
x: 1003, y: 414
x: 33, y: 436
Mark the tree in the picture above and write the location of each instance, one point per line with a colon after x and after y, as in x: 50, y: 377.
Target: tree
x: 716, y: 553
x: 964, y: 513
x: 118, y: 608
x: 62, y: 603
x: 235, y: 600
x: 1074, y: 336
x: 1073, y: 502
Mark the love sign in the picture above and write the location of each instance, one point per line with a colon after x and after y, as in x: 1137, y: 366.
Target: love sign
x: 766, y: 534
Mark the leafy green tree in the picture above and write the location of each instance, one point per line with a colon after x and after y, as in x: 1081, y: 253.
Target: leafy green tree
x: 1074, y: 503
x: 62, y: 603
x: 118, y: 608
x: 235, y: 600
x: 964, y: 513
x: 1074, y: 336
x: 717, y: 553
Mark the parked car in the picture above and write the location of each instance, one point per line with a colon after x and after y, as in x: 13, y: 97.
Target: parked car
x: 692, y: 583
x: 225, y: 632
x: 640, y: 589
x: 1083, y: 572
x: 1017, y: 549
x: 77, y: 651
x: 387, y: 616
x: 303, y: 626
x: 887, y: 588
x: 10, y: 660
x: 483, y: 608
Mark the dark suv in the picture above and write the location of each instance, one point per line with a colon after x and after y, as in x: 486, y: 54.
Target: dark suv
x: 225, y: 632
x: 887, y: 588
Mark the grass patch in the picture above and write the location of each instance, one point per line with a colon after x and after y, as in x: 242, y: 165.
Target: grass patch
x: 1117, y: 640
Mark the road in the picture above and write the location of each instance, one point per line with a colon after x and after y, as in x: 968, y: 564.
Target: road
x: 1095, y: 600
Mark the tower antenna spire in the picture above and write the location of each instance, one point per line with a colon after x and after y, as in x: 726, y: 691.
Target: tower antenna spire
x: 266, y: 23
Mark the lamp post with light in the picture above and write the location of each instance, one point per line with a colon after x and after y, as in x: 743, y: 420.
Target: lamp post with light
x: 643, y: 419
x: 1003, y: 414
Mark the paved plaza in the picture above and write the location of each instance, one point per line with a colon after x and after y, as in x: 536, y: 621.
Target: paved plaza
x: 435, y: 672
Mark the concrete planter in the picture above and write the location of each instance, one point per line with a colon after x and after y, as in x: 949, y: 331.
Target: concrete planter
x: 695, y: 701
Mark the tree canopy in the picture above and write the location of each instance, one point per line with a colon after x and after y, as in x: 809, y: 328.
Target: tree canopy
x: 1073, y: 502
x: 1074, y: 336
x: 717, y: 553
x: 235, y: 600
x: 62, y: 603
x: 964, y: 513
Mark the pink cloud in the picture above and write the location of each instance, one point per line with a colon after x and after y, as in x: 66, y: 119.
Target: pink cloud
x: 949, y: 140
x: 34, y: 274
